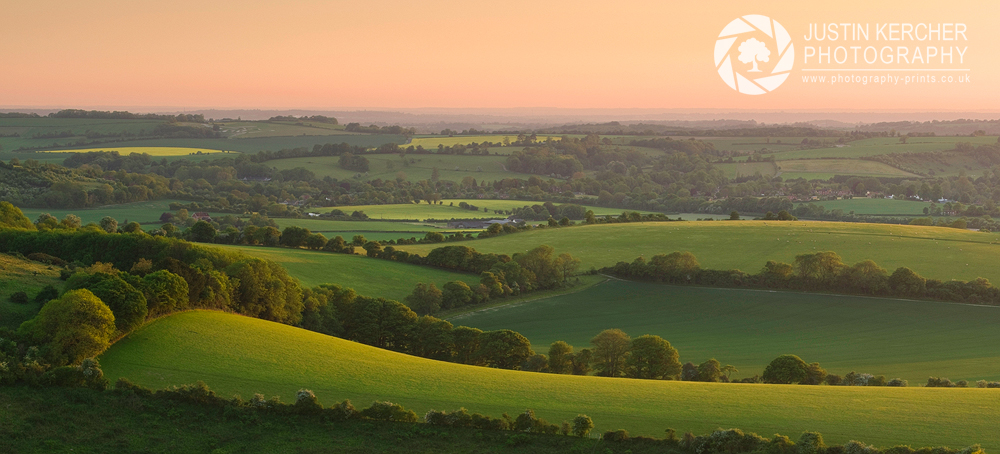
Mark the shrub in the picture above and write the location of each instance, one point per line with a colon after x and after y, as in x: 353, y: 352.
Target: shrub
x: 834, y: 380
x: 19, y: 298
x: 962, y: 384
x: 857, y: 447
x: 935, y: 382
x: 810, y: 443
x: 47, y: 294
x: 388, y: 411
x: 582, y: 425
x: 615, y: 435
x: 898, y: 382
x: 786, y: 369
x: 306, y: 402
x: 981, y: 384
x: 124, y: 386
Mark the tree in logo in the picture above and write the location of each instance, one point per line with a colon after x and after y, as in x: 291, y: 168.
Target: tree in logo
x: 751, y: 51
x: 751, y: 39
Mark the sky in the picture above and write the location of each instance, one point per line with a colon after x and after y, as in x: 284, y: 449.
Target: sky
x: 312, y: 54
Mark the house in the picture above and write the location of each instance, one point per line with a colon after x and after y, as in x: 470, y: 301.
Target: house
x: 480, y: 224
x: 202, y: 216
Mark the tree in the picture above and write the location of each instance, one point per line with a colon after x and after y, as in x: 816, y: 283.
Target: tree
x: 560, y: 358
x: 126, y: 302
x: 432, y: 339
x: 734, y: 215
x: 265, y: 290
x: 382, y: 323
x: 815, y: 375
x: 652, y: 358
x: 710, y: 371
x: 455, y: 294
x: 132, y: 227
x: 12, y: 217
x: 786, y: 369
x: 582, y: 425
x: 466, y: 344
x: 316, y: 241
x: 566, y: 265
x: 675, y: 267
x: 294, y: 236
x: 78, y: 325
x: 611, y: 347
x: 581, y: 361
x: 905, y: 282
x: 503, y: 349
x: 821, y: 268
x: 425, y: 299
x: 752, y: 51
x: 372, y: 248
x: 202, y: 232
x: 866, y: 277
x: 108, y: 224
x: 165, y: 292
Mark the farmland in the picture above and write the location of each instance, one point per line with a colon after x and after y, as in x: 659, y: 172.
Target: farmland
x: 826, y: 168
x: 234, y: 354
x: 862, y: 205
x: 449, y: 209
x: 884, y: 145
x: 415, y: 168
x: 152, y: 151
x: 368, y: 277
x: 748, y: 328
x: 141, y: 212
x: 432, y: 141
x: 934, y: 252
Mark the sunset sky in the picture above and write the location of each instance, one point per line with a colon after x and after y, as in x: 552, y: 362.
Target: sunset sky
x: 409, y: 54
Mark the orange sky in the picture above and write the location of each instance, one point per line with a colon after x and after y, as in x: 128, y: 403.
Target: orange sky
x: 404, y: 54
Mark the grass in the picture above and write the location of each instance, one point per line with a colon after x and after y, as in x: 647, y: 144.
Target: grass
x: 152, y: 151
x: 21, y: 275
x: 838, y: 167
x: 885, y: 145
x: 432, y: 141
x: 449, y: 209
x: 746, y: 328
x: 256, y: 129
x: 737, y: 169
x: 934, y: 252
x: 235, y: 354
x: 252, y: 145
x: 141, y: 212
x: 367, y: 276
x: 864, y: 205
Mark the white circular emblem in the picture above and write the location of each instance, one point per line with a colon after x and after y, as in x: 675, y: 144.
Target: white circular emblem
x: 754, y: 54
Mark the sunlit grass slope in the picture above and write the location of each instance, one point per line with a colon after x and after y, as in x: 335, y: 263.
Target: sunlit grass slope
x: 934, y: 252
x: 235, y: 354
x: 152, y: 151
x: 748, y: 328
x: 367, y: 276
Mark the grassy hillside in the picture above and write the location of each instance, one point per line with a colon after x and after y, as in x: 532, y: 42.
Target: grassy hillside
x: 369, y: 277
x: 934, y: 252
x: 862, y: 205
x: 21, y: 275
x: 235, y: 354
x: 157, y: 152
x: 748, y: 328
x: 388, y: 166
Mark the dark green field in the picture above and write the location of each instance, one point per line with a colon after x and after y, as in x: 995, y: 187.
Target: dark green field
x: 748, y: 328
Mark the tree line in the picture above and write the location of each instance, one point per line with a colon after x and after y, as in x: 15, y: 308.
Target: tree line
x: 820, y: 271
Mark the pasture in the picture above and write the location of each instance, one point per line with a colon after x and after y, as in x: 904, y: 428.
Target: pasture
x: 747, y: 169
x: 147, y: 212
x: 864, y: 205
x: 449, y: 209
x: 908, y: 339
x: 256, y: 129
x: 235, y: 354
x: 826, y: 168
x: 884, y: 145
x: 155, y: 152
x: 432, y: 141
x: 934, y: 252
x: 367, y: 276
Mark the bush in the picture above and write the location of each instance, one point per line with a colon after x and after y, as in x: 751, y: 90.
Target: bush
x: 388, y: 411
x: 47, y: 294
x: 934, y: 382
x: 306, y: 402
x: 615, y: 435
x: 582, y: 425
x: 857, y: 447
x: 342, y: 411
x: 810, y: 443
x: 898, y: 382
x: 786, y: 369
x: 19, y: 298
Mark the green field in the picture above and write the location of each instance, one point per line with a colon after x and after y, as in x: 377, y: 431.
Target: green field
x: 449, y: 209
x: 748, y: 169
x: 389, y: 166
x: 235, y: 354
x: 884, y: 145
x: 20, y: 275
x: 432, y: 141
x: 152, y: 151
x: 141, y: 212
x: 255, y: 129
x: 367, y: 276
x: 912, y: 340
x: 864, y: 205
x: 934, y: 252
x: 827, y: 168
